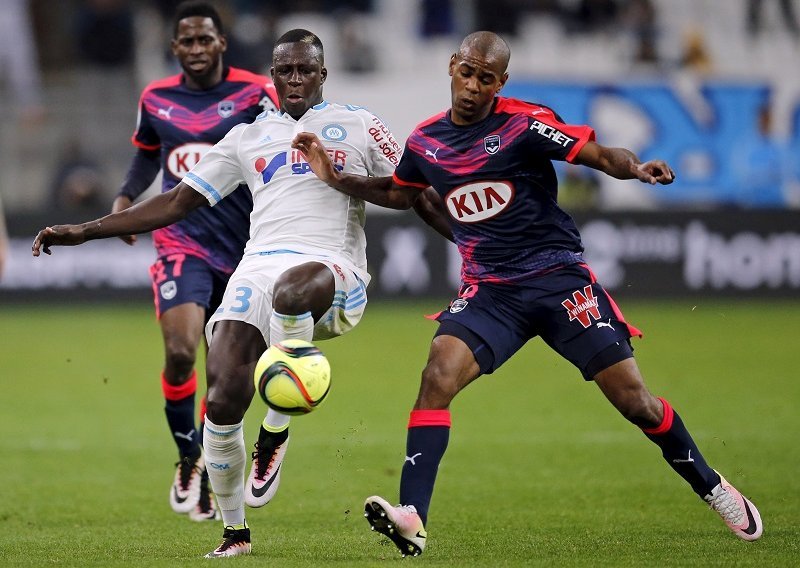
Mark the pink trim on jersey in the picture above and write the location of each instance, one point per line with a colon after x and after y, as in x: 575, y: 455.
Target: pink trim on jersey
x: 582, y: 134
x: 138, y: 144
x: 177, y: 392
x: 431, y: 120
x: 262, y: 81
x: 429, y: 418
x: 666, y: 422
x: 399, y: 181
x: 199, y: 122
x: 465, y: 163
x: 634, y: 332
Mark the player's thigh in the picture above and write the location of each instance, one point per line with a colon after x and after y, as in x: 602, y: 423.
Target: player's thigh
x: 183, y: 287
x: 307, y: 287
x: 579, y: 319
x: 487, y: 318
x: 348, y: 304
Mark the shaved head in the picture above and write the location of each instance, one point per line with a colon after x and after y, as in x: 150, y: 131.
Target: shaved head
x: 488, y: 44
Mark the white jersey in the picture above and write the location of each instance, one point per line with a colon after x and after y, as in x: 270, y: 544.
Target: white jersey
x: 292, y: 209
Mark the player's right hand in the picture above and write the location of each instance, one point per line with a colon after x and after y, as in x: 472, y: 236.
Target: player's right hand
x: 316, y: 155
x: 66, y: 235
x: 120, y: 204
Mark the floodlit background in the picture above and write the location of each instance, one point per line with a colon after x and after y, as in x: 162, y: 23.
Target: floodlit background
x: 540, y: 470
x: 711, y: 86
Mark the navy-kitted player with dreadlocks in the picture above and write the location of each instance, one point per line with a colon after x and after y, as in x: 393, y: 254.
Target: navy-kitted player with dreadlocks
x: 489, y: 159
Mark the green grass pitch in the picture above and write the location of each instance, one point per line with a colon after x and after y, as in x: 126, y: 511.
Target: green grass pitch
x: 540, y: 471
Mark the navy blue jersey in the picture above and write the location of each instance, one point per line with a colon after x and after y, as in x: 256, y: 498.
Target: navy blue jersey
x: 499, y: 186
x: 183, y: 124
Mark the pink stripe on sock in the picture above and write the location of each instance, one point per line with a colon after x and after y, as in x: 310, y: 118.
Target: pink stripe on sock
x: 177, y: 392
x: 666, y: 422
x: 429, y: 418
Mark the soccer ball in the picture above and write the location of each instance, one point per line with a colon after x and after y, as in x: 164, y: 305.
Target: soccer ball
x: 293, y: 377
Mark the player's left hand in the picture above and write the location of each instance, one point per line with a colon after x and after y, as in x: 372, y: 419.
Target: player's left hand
x: 655, y: 171
x: 57, y: 235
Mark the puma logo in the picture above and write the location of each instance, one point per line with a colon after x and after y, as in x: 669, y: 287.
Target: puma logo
x: 433, y: 154
x: 165, y: 113
x: 689, y: 459
x: 187, y: 436
x: 412, y: 458
x: 605, y: 324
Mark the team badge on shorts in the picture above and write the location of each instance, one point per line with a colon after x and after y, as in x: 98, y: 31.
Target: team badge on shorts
x: 168, y: 290
x: 491, y: 144
x: 582, y: 306
x: 457, y: 305
x: 225, y: 108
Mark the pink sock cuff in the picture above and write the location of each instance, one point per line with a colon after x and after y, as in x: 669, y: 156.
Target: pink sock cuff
x: 177, y: 392
x: 429, y: 418
x: 666, y: 422
x: 202, y: 417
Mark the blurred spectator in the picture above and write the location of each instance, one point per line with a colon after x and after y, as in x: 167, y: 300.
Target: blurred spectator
x: 3, y: 240
x: 104, y: 32
x: 436, y: 18
x: 18, y: 59
x: 754, y: 10
x: 641, y: 19
x: 78, y: 185
x: 595, y: 15
x: 760, y: 166
x: 695, y: 56
x: 500, y: 16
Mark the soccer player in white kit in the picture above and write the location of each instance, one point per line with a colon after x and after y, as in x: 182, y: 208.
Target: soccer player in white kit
x: 303, y: 274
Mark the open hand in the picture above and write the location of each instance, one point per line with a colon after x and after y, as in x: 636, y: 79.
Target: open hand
x: 66, y: 235
x: 655, y: 171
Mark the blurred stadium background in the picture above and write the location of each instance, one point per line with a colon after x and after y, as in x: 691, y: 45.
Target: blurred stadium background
x: 710, y: 86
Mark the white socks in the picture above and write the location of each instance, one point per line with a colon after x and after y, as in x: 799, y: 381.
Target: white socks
x: 286, y: 327
x: 225, y: 461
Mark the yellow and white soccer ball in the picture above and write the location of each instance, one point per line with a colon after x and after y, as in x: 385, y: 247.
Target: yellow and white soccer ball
x: 293, y: 377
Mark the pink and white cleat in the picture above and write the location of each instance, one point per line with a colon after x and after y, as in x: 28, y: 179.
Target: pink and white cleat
x: 265, y: 474
x: 235, y: 542
x: 736, y: 510
x: 401, y: 524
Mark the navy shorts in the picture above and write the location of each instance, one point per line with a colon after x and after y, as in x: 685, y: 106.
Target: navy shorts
x: 184, y: 279
x: 567, y: 308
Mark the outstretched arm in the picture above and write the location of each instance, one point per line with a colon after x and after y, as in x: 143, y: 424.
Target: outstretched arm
x: 430, y: 208
x: 378, y: 190
x: 154, y: 213
x: 624, y: 164
x: 142, y: 172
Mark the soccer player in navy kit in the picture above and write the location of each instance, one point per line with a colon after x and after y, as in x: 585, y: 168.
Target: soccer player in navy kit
x: 180, y: 118
x: 489, y: 159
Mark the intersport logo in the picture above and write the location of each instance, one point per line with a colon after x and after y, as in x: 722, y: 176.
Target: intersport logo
x: 479, y: 201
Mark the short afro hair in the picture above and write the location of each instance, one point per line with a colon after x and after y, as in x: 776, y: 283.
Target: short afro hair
x: 196, y: 8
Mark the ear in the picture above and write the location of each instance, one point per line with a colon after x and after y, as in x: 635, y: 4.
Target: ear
x: 223, y: 41
x: 173, y: 45
x: 272, y: 72
x: 452, y: 66
x: 503, y: 80
x: 324, y: 74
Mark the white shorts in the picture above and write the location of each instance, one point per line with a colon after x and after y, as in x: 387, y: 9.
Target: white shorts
x: 248, y: 295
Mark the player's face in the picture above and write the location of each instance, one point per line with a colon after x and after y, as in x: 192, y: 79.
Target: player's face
x: 476, y: 79
x: 199, y: 48
x: 298, y: 75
